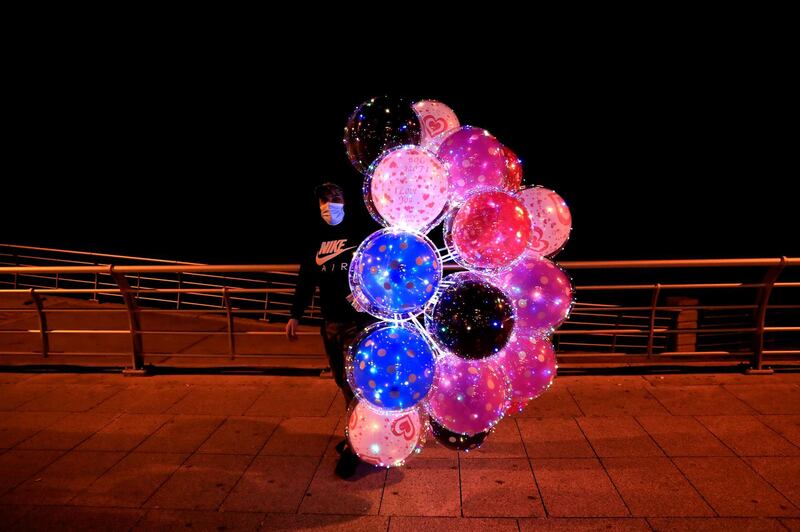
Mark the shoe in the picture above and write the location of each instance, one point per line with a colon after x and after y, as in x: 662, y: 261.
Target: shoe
x: 348, y: 462
x: 340, y: 446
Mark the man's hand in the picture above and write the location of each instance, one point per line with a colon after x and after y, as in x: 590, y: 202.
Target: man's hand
x: 354, y: 303
x: 291, y: 329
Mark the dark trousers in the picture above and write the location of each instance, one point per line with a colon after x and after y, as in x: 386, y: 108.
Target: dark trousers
x: 337, y: 337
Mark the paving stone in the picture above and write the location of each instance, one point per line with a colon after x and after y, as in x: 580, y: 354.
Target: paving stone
x: 577, y: 487
x: 733, y: 489
x: 654, y: 487
x: 748, y: 437
x: 499, y: 488
x: 423, y: 487
x: 683, y: 436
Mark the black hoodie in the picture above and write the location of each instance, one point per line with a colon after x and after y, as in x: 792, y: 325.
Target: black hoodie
x: 326, y: 263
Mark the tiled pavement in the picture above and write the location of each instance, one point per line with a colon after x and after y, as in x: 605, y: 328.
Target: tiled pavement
x: 218, y: 452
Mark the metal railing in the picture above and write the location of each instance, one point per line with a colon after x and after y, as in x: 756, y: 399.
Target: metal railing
x: 195, y: 290
x: 723, y: 311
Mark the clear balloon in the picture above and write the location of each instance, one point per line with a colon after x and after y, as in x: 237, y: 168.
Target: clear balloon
x: 391, y: 366
x: 550, y: 218
x: 540, y: 291
x: 407, y: 189
x: 378, y: 125
x: 472, y: 318
x: 513, y: 179
x: 455, y: 441
x: 436, y: 120
x: 489, y: 231
x: 474, y: 159
x: 529, y: 362
x: 394, y: 273
x: 383, y: 438
x: 470, y: 396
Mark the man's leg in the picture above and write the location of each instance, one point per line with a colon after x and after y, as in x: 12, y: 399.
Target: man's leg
x: 337, y: 337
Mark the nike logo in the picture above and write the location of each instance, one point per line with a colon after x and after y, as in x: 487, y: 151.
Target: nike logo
x: 330, y: 250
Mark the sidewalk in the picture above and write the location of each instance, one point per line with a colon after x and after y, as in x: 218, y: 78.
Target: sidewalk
x: 222, y: 452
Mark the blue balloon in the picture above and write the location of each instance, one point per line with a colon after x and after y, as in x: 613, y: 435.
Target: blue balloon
x: 395, y: 273
x: 391, y: 366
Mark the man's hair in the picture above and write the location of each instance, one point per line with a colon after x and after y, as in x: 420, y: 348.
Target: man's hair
x: 329, y: 192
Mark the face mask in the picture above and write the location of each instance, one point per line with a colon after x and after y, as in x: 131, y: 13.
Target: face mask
x: 332, y: 213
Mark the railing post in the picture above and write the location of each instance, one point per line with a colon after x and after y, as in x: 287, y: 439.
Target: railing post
x: 614, y: 336
x: 686, y: 319
x: 94, y: 294
x: 764, y: 294
x: 266, y: 304
x: 231, y: 339
x: 37, y: 301
x: 137, y: 361
x: 653, y: 306
x: 180, y: 286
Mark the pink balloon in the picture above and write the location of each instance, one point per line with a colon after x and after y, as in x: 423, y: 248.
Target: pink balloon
x: 474, y: 159
x: 514, y: 175
x: 383, y: 438
x: 540, y: 292
x: 490, y: 230
x: 550, y: 217
x: 470, y: 396
x: 436, y: 120
x: 529, y: 362
x: 407, y: 188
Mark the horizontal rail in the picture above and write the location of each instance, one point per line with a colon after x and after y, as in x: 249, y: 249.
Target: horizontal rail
x: 146, y: 268
x: 680, y: 319
x: 242, y: 268
x: 92, y: 254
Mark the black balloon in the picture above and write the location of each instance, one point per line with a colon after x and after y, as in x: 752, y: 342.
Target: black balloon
x: 472, y: 319
x: 454, y: 440
x: 378, y: 125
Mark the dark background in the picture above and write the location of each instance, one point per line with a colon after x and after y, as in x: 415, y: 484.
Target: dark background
x: 215, y: 161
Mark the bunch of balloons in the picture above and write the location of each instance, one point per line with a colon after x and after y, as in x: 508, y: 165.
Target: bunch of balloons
x: 451, y: 355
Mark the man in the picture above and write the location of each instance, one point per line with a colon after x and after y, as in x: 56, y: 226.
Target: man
x: 327, y: 265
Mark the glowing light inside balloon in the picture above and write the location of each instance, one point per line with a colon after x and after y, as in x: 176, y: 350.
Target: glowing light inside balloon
x: 489, y: 231
x: 551, y: 221
x: 391, y: 366
x: 540, y: 291
x: 384, y: 438
x: 394, y: 273
x: 470, y: 397
x: 474, y: 160
x: 436, y: 121
x: 486, y: 344
x: 407, y: 189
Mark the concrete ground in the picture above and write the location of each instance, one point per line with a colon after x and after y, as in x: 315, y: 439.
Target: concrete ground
x: 223, y: 452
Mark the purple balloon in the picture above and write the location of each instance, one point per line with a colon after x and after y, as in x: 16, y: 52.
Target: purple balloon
x: 474, y: 159
x: 529, y: 362
x: 540, y: 292
x: 470, y: 396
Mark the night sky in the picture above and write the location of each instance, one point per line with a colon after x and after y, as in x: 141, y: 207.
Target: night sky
x: 217, y: 164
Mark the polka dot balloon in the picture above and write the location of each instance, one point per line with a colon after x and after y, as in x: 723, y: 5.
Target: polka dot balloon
x: 391, y: 366
x: 394, y: 273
